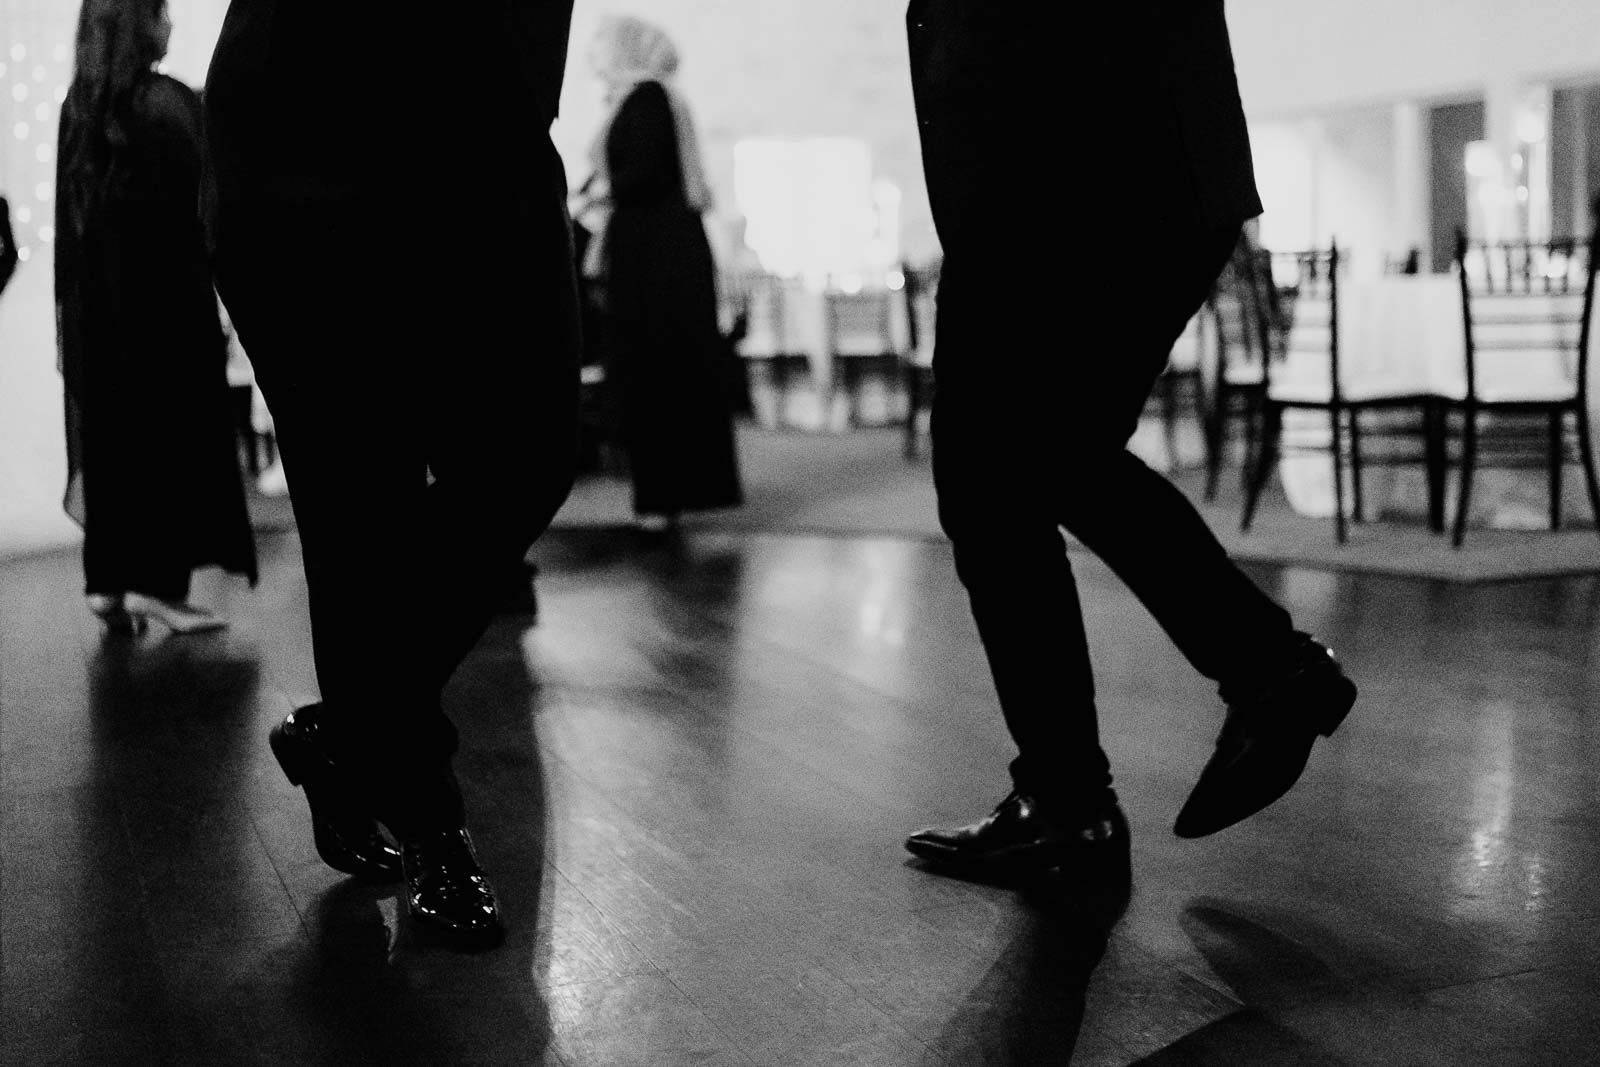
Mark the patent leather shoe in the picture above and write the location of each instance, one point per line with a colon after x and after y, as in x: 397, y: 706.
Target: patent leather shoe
x: 1266, y: 740
x: 447, y: 892
x: 1023, y: 835
x: 347, y: 837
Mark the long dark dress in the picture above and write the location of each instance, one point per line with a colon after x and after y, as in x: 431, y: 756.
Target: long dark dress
x: 152, y: 458
x: 664, y: 353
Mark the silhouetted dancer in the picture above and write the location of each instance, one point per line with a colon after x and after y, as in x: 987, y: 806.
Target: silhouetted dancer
x: 1050, y: 335
x: 422, y: 370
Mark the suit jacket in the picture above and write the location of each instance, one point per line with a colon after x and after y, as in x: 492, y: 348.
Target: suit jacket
x: 332, y: 99
x: 1132, y: 112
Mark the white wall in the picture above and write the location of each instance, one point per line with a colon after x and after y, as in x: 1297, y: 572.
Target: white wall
x: 1331, y: 178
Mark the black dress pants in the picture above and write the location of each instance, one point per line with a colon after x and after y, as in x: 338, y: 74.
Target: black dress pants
x: 423, y: 382
x: 1043, y: 367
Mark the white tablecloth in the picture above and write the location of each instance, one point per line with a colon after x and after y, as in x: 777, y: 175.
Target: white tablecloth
x: 1407, y: 334
x: 804, y: 318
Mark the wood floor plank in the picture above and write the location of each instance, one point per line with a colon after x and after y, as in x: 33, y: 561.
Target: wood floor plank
x: 691, y: 779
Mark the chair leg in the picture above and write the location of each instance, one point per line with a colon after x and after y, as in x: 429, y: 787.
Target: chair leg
x: 1586, y: 454
x: 1435, y: 423
x: 1265, y: 460
x: 774, y: 380
x: 913, y: 403
x: 1169, y: 419
x: 1558, y: 426
x: 1256, y: 414
x: 1340, y: 533
x: 1216, y: 442
x: 1469, y: 457
x: 1358, y: 509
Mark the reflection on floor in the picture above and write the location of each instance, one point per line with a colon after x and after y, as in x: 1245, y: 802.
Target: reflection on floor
x: 691, y: 780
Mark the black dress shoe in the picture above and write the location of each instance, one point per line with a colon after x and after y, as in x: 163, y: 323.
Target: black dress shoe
x: 447, y: 892
x: 347, y: 836
x: 1266, y: 740
x: 1023, y: 835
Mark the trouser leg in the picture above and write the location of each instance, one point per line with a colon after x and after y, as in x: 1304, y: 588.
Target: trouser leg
x: 1031, y: 426
x: 993, y: 468
x: 501, y: 444
x: 379, y: 375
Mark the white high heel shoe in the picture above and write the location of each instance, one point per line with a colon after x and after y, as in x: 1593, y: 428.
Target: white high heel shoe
x: 109, y: 607
x: 178, y: 617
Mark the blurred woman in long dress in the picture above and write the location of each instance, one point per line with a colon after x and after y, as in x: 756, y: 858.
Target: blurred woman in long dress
x: 152, y: 457
x: 664, y: 353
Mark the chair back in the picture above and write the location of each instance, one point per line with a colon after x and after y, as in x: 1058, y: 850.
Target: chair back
x: 1308, y: 315
x: 1527, y: 309
x: 861, y: 323
x: 766, y: 327
x: 1239, y: 313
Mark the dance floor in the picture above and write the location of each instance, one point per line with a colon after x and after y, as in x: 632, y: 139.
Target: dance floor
x: 691, y: 778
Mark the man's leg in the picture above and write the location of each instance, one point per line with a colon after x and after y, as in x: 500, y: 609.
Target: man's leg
x: 342, y: 348
x: 994, y: 463
x: 333, y: 339
x: 995, y: 460
x: 1050, y: 448
x: 1282, y: 688
x: 1133, y: 517
x: 501, y: 418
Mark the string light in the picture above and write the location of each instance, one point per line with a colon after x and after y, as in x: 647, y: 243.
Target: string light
x: 35, y: 73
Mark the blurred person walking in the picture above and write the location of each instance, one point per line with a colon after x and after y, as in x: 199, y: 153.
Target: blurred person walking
x: 1036, y: 440
x: 663, y: 350
x: 424, y: 390
x: 153, y: 463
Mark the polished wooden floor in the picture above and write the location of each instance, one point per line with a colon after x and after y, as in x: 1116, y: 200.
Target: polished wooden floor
x: 690, y: 781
